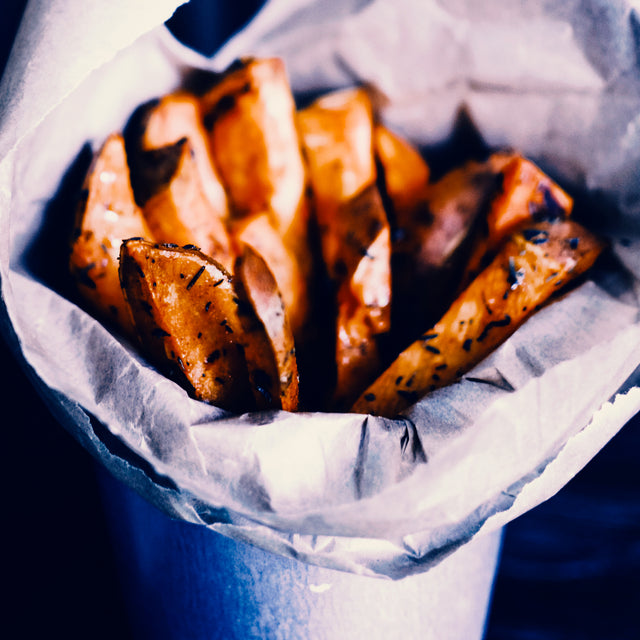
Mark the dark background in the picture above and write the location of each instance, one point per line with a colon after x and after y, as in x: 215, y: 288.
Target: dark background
x: 570, y: 569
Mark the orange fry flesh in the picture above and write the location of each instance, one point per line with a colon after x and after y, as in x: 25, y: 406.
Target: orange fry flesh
x: 337, y: 137
x: 177, y: 116
x: 406, y: 173
x: 107, y: 216
x: 250, y: 117
x: 180, y: 211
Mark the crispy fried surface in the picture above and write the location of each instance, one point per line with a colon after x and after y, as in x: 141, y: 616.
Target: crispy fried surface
x: 186, y: 315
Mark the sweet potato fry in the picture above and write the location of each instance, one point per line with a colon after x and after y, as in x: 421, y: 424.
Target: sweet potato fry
x: 106, y: 214
x: 186, y: 315
x: 337, y: 136
x: 526, y: 194
x: 258, y: 232
x: 161, y: 123
x: 433, y: 232
x: 275, y: 375
x: 533, y: 264
x: 250, y: 118
x: 181, y: 213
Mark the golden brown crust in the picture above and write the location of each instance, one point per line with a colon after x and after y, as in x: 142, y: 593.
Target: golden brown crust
x: 526, y: 194
x: 533, y: 264
x: 186, y: 315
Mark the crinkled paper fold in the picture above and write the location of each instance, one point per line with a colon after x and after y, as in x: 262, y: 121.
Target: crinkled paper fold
x: 357, y: 493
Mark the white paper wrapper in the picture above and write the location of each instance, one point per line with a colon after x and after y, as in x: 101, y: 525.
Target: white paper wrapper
x: 367, y: 495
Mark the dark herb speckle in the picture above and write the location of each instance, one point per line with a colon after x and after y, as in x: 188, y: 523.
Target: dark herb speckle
x: 506, y: 321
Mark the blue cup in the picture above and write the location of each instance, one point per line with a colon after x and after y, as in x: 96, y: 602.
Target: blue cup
x: 182, y: 581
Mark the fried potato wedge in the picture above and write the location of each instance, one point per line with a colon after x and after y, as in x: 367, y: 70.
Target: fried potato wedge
x: 181, y: 213
x: 433, y: 234
x: 526, y: 194
x: 106, y: 214
x: 337, y: 137
x: 364, y: 297
x: 258, y: 232
x: 275, y: 373
x: 186, y: 314
x: 533, y: 264
x: 159, y: 124
x: 250, y: 118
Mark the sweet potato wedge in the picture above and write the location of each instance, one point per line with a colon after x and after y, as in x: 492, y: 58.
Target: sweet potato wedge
x: 186, y: 314
x: 250, y: 118
x: 258, y: 232
x: 526, y: 194
x: 249, y: 115
x: 159, y: 124
x: 434, y: 230
x: 533, y: 264
x: 106, y: 214
x: 181, y: 213
x: 275, y: 373
x: 364, y: 296
x: 337, y: 137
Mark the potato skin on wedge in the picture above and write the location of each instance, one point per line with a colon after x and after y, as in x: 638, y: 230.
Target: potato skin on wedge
x: 186, y: 314
x: 292, y: 279
x: 433, y: 234
x: 275, y: 374
x: 106, y: 214
x: 533, y: 264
